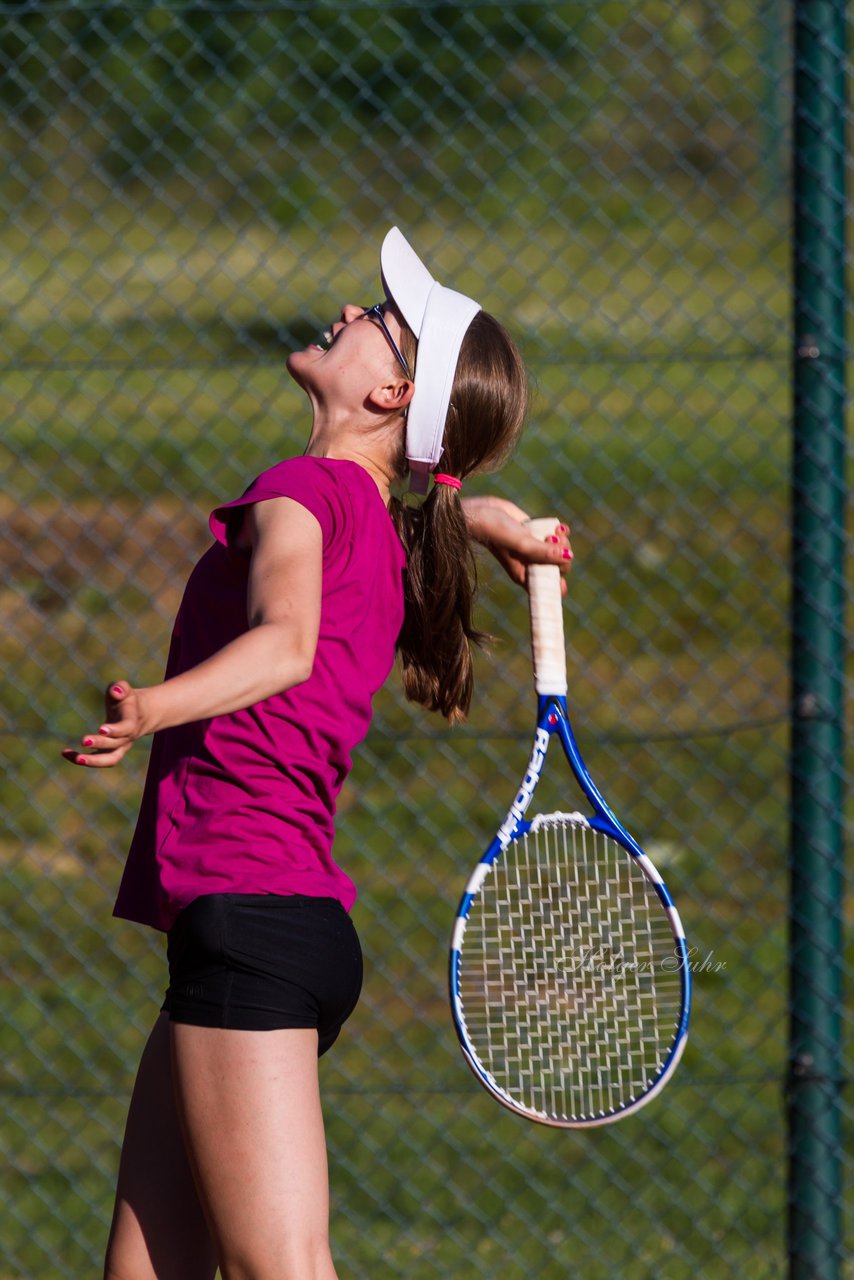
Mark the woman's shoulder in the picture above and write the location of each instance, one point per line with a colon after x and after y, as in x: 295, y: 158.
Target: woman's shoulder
x: 340, y: 481
x: 340, y: 493
x: 341, y: 472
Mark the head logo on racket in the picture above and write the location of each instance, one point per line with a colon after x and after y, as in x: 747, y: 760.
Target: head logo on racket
x: 526, y: 789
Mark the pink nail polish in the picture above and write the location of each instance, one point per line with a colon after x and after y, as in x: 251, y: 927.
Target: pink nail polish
x: 88, y: 742
x: 567, y: 554
x: 105, y: 730
x: 82, y: 760
x: 116, y: 691
x: 550, y: 538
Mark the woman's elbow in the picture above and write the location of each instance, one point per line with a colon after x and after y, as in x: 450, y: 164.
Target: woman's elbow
x: 298, y: 654
x: 303, y: 665
x: 294, y: 651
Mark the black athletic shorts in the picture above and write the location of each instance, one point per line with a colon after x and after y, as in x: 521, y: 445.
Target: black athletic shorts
x: 263, y: 962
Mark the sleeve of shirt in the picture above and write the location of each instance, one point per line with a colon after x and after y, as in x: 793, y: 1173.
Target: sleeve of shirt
x: 307, y: 481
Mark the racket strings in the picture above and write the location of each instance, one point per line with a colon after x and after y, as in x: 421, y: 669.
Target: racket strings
x: 569, y: 978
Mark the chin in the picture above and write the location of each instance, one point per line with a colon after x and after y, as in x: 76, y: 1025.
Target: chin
x: 295, y: 366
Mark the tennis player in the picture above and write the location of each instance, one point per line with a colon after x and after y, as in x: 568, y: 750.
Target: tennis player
x: 287, y: 628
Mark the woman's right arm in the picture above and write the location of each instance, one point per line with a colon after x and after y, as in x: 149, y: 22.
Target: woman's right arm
x: 275, y: 653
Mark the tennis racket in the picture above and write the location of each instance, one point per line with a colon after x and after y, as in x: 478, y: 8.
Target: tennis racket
x: 569, y: 974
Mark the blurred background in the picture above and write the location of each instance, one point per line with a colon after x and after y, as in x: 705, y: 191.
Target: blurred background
x: 189, y: 191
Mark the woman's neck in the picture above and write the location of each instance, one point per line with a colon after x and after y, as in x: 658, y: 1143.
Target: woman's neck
x: 349, y: 447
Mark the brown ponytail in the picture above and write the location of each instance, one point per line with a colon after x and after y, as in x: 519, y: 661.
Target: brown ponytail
x: 484, y: 421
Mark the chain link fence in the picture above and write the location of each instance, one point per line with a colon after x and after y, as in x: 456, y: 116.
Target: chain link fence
x: 188, y: 191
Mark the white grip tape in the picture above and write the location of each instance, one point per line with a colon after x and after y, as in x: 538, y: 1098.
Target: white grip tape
x: 547, y: 643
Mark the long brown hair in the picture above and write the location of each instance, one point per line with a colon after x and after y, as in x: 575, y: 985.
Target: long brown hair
x: 488, y: 404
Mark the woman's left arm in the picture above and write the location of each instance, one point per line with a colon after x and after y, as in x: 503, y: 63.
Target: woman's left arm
x: 499, y: 525
x: 275, y: 653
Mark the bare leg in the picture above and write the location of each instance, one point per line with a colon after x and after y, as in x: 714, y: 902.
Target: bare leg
x: 159, y: 1230
x: 250, y: 1106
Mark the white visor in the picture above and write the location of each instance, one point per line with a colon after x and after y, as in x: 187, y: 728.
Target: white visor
x: 439, y: 318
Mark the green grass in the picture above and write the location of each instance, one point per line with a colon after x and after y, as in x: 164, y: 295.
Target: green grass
x: 664, y: 439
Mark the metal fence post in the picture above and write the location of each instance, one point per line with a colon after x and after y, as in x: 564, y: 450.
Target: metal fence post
x: 814, y: 1150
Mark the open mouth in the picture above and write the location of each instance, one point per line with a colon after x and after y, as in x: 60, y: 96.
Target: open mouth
x: 325, y: 343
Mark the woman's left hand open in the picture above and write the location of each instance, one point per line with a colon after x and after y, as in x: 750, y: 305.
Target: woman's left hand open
x: 500, y: 526
x: 123, y: 723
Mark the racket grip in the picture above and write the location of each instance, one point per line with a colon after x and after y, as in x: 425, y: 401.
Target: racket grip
x: 546, y: 604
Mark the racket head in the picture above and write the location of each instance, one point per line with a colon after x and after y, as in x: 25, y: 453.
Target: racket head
x: 570, y: 978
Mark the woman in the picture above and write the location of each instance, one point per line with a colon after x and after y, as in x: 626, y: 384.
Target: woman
x: 288, y: 626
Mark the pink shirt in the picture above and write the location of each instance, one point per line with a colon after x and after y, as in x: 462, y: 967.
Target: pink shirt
x: 245, y: 802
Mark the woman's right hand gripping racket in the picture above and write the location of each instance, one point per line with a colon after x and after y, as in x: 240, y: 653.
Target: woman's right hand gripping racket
x: 570, y: 979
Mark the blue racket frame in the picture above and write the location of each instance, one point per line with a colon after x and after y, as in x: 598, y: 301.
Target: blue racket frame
x: 553, y: 720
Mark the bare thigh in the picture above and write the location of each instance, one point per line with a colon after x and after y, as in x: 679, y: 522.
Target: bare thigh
x: 250, y: 1107
x: 158, y: 1230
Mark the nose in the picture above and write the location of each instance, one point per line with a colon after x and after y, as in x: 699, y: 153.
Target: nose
x: 351, y: 312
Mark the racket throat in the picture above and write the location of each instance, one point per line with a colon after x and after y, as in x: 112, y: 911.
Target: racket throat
x: 550, y: 704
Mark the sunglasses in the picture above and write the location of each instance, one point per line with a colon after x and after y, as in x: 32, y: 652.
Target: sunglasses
x: 377, y: 310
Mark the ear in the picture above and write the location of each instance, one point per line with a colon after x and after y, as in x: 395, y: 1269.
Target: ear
x: 392, y: 397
